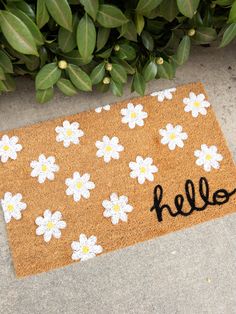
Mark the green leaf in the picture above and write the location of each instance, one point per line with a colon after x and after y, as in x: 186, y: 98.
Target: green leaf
x: 79, y: 78
x: 166, y: 70
x: 67, y: 39
x: 66, y: 87
x: 128, y: 31
x: 156, y: 27
x: 20, y: 70
x: 105, y: 54
x: 118, y: 73
x: 5, y: 62
x: 3, y: 87
x: 98, y: 73
x: 146, y: 6
x: 17, y: 33
x: 47, y: 76
x: 2, y: 75
x: 147, y: 40
x: 32, y: 63
x: 110, y: 16
x: 196, y: 21
x: 183, y: 50
x: 102, y: 37
x: 224, y: 3
x: 45, y: 95
x: 129, y: 69
x: 229, y: 35
x: 102, y: 87
x: 188, y: 7
x: 207, y: 20
x: 126, y: 52
x: 9, y: 83
x: 205, y: 35
x: 25, y: 7
x: 173, y: 41
x: 169, y: 10
x: 232, y: 13
x: 139, y: 84
x: 86, y: 36
x: 43, y: 55
x: 149, y: 71
x: 91, y: 7
x: 32, y: 27
x: 61, y: 12
x: 75, y: 58
x: 42, y: 15
x: 116, y: 88
x: 122, y: 29
x: 139, y: 23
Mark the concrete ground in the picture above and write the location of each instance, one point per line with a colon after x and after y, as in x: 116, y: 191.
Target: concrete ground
x: 191, y: 271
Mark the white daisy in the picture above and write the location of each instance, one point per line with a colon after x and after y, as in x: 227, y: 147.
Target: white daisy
x: 12, y: 206
x: 69, y: 133
x: 117, y: 208
x: 106, y: 108
x: 9, y: 148
x: 109, y: 148
x: 44, y: 168
x: 142, y: 169
x: 173, y: 136
x: 79, y: 186
x: 196, y: 103
x: 208, y: 157
x: 86, y: 248
x: 164, y: 94
x: 133, y: 115
x: 49, y: 225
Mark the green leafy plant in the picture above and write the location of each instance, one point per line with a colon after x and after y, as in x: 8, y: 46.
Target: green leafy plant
x: 82, y: 45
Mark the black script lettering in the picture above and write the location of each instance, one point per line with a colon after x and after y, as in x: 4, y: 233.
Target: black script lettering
x: 219, y: 197
x: 158, y: 192
x: 222, y: 196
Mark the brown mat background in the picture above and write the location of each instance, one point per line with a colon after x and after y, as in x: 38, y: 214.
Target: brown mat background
x: 32, y: 255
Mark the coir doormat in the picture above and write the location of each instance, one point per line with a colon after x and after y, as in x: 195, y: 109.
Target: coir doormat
x: 80, y: 186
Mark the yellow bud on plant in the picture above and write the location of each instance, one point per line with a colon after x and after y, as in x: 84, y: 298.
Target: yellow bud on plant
x: 160, y: 60
x: 108, y: 67
x: 106, y: 80
x: 62, y: 64
x: 117, y: 48
x: 191, y: 32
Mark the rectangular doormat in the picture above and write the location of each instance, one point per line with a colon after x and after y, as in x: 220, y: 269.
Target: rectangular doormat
x: 87, y: 184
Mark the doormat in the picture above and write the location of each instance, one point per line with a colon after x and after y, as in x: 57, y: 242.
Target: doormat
x: 87, y: 184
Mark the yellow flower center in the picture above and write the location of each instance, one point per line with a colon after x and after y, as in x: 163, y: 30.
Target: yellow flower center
x: 116, y: 208
x: 85, y: 249
x: 44, y: 168
x: 79, y: 185
x: 208, y: 157
x: 69, y: 132
x: 133, y: 115
x: 10, y: 208
x: 142, y: 169
x: 172, y: 136
x: 6, y: 147
x: 108, y: 148
x: 50, y: 225
x: 197, y: 104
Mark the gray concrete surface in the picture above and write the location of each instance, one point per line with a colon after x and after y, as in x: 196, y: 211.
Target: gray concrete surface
x: 191, y: 271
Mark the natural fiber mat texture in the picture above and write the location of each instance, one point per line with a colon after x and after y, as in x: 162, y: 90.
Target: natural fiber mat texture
x: 79, y: 186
